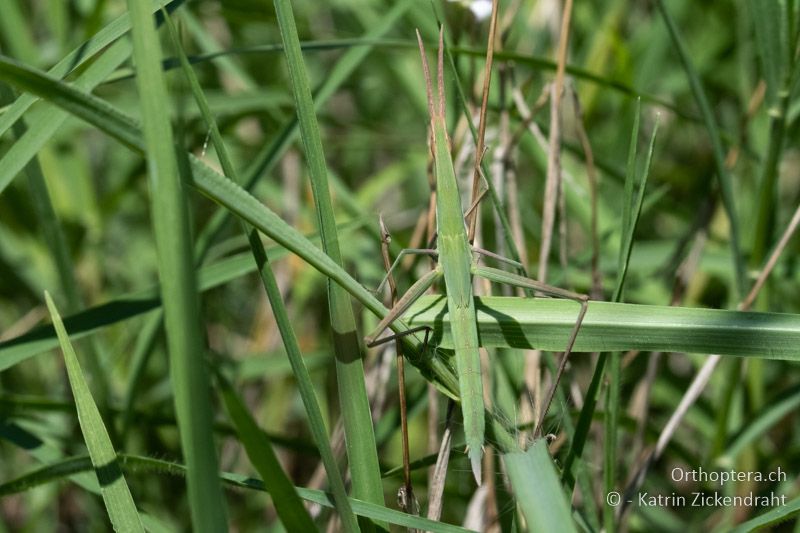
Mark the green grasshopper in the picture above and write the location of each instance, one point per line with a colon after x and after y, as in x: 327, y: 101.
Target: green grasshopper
x: 456, y: 262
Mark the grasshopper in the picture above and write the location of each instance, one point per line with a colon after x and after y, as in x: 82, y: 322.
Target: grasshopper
x: 456, y: 262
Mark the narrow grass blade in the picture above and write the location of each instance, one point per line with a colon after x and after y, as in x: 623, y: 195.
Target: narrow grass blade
x: 633, y: 199
x: 127, y: 306
x: 116, y: 495
x: 45, y: 121
x: 77, y: 57
x: 725, y: 180
x: 73, y: 465
x: 290, y: 509
x: 759, y: 424
x: 537, y: 489
x: 253, y: 442
x: 766, y: 521
x: 359, y: 433
x: 767, y: 23
x: 176, y: 272
x: 625, y: 244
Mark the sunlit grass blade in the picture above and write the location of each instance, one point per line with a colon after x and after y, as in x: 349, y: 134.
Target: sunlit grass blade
x: 140, y: 464
x: 545, y: 323
x: 537, y: 489
x: 359, y: 433
x: 116, y: 495
x: 290, y: 509
x: 185, y: 344
x: 287, y: 334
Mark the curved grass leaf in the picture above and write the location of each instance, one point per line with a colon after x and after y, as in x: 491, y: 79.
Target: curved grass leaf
x: 774, y: 517
x: 116, y: 495
x: 77, y: 57
x: 759, y: 424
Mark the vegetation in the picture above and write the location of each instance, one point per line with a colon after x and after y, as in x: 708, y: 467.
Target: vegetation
x: 209, y: 192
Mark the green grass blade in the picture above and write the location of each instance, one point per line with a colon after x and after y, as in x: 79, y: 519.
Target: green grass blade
x: 116, y: 495
x: 763, y: 522
x: 538, y: 490
x: 290, y: 342
x: 134, y: 463
x: 359, y: 433
x: 626, y: 244
x: 767, y: 24
x: 725, y: 180
x: 77, y: 57
x: 290, y: 509
x: 176, y: 272
x: 545, y: 324
x: 759, y: 424
x: 633, y: 199
x: 45, y: 121
x: 125, y: 307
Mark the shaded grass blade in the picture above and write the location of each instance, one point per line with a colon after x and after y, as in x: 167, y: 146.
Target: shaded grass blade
x: 140, y: 464
x: 725, y: 180
x: 633, y: 198
x: 290, y: 509
x: 774, y: 517
x: 359, y: 433
x: 262, y: 456
x: 116, y: 495
x: 176, y: 271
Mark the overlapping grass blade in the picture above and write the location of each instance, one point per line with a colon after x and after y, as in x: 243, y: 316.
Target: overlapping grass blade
x: 131, y: 305
x: 116, y: 495
x: 633, y: 199
x: 359, y: 433
x: 290, y: 509
x: 45, y: 121
x: 176, y: 271
x: 77, y: 57
x: 538, y: 490
x: 260, y: 453
x: 545, y: 323
x: 725, y: 180
x: 140, y: 464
